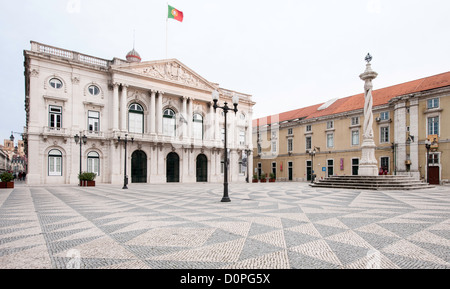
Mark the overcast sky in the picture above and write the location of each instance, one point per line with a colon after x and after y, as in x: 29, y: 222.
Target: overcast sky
x: 288, y: 54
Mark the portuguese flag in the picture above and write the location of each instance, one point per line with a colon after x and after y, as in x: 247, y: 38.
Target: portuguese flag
x: 175, y: 14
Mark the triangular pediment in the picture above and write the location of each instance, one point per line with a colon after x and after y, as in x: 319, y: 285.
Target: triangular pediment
x: 171, y: 70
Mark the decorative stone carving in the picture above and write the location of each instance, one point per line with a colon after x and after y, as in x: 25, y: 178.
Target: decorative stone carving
x: 172, y: 71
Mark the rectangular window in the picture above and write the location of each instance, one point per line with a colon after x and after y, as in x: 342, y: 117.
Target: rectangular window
x: 55, y: 117
x: 290, y: 145
x: 290, y: 131
x: 308, y: 128
x: 330, y: 124
x: 330, y: 140
x: 355, y: 120
x: 433, y: 103
x: 433, y: 125
x: 355, y: 137
x: 384, y: 115
x: 433, y: 159
x: 93, y: 165
x: 308, y: 142
x: 384, y: 134
x: 259, y: 149
x: 55, y: 166
x: 274, y: 147
x: 242, y: 137
x: 93, y: 121
x: 198, y: 130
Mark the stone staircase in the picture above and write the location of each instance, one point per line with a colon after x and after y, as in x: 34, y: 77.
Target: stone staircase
x: 372, y: 183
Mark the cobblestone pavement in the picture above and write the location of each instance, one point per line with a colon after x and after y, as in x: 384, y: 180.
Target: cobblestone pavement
x: 266, y: 226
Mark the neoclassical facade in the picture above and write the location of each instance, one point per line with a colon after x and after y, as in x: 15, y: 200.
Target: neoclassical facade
x: 409, y: 126
x: 163, y: 109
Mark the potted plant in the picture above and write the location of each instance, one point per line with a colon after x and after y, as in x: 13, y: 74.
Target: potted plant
x: 263, y: 178
x: 7, y: 181
x: 272, y: 178
x: 255, y: 178
x: 87, y: 179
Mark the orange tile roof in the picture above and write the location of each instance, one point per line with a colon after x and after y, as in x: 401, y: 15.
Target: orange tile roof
x: 355, y: 102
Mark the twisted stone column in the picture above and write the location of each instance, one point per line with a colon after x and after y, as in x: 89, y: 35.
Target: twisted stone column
x: 368, y: 165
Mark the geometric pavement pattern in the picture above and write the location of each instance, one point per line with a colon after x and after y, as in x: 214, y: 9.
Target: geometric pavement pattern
x: 185, y: 226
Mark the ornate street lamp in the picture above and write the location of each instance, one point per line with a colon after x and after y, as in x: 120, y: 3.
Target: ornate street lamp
x: 125, y: 177
x: 81, y: 140
x: 225, y: 108
x: 312, y: 153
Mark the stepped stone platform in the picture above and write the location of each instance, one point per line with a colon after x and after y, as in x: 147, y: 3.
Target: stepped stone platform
x: 372, y: 183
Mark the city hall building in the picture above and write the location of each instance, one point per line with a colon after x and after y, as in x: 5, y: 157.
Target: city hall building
x: 163, y: 110
x: 410, y: 133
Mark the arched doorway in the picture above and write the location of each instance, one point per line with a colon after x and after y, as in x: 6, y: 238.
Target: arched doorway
x: 139, y: 167
x: 173, y: 168
x: 202, y: 168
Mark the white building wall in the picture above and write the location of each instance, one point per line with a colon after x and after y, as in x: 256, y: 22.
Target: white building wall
x: 118, y: 90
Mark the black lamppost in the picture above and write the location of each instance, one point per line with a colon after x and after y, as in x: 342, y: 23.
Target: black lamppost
x: 125, y: 177
x: 428, y: 146
x: 248, y: 153
x: 225, y: 108
x: 312, y: 153
x: 82, y: 140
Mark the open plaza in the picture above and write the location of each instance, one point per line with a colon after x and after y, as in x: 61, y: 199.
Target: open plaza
x: 283, y: 225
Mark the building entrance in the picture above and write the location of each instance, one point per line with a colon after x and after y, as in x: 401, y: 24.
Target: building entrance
x: 173, y: 168
x: 202, y: 168
x: 139, y: 167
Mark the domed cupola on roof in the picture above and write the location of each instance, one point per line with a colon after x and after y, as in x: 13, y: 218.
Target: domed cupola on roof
x: 133, y: 56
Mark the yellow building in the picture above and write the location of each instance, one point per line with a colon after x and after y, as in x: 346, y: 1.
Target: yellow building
x: 326, y: 138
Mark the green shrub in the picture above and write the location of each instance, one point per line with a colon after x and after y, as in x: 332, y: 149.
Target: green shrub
x: 85, y: 176
x: 6, y: 177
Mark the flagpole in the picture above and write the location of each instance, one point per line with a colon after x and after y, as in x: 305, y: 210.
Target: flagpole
x: 167, y: 31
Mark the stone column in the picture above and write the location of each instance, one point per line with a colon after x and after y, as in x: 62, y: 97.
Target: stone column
x: 400, y: 136
x: 368, y: 165
x: 123, y: 108
x: 184, y: 113
x: 189, y: 117
x: 414, y: 132
x: 115, y: 108
x: 152, y: 117
x: 211, y: 122
x: 159, y: 113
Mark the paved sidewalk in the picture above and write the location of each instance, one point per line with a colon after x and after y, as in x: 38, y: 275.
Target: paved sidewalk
x: 266, y: 226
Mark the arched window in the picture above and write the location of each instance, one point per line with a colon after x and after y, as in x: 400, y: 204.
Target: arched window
x: 56, y: 83
x: 169, y: 123
x: 94, y: 90
x: 55, y: 163
x: 136, y: 118
x: 198, y: 126
x: 93, y: 163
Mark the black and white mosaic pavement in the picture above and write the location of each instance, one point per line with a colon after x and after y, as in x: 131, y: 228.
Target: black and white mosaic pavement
x: 266, y: 226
